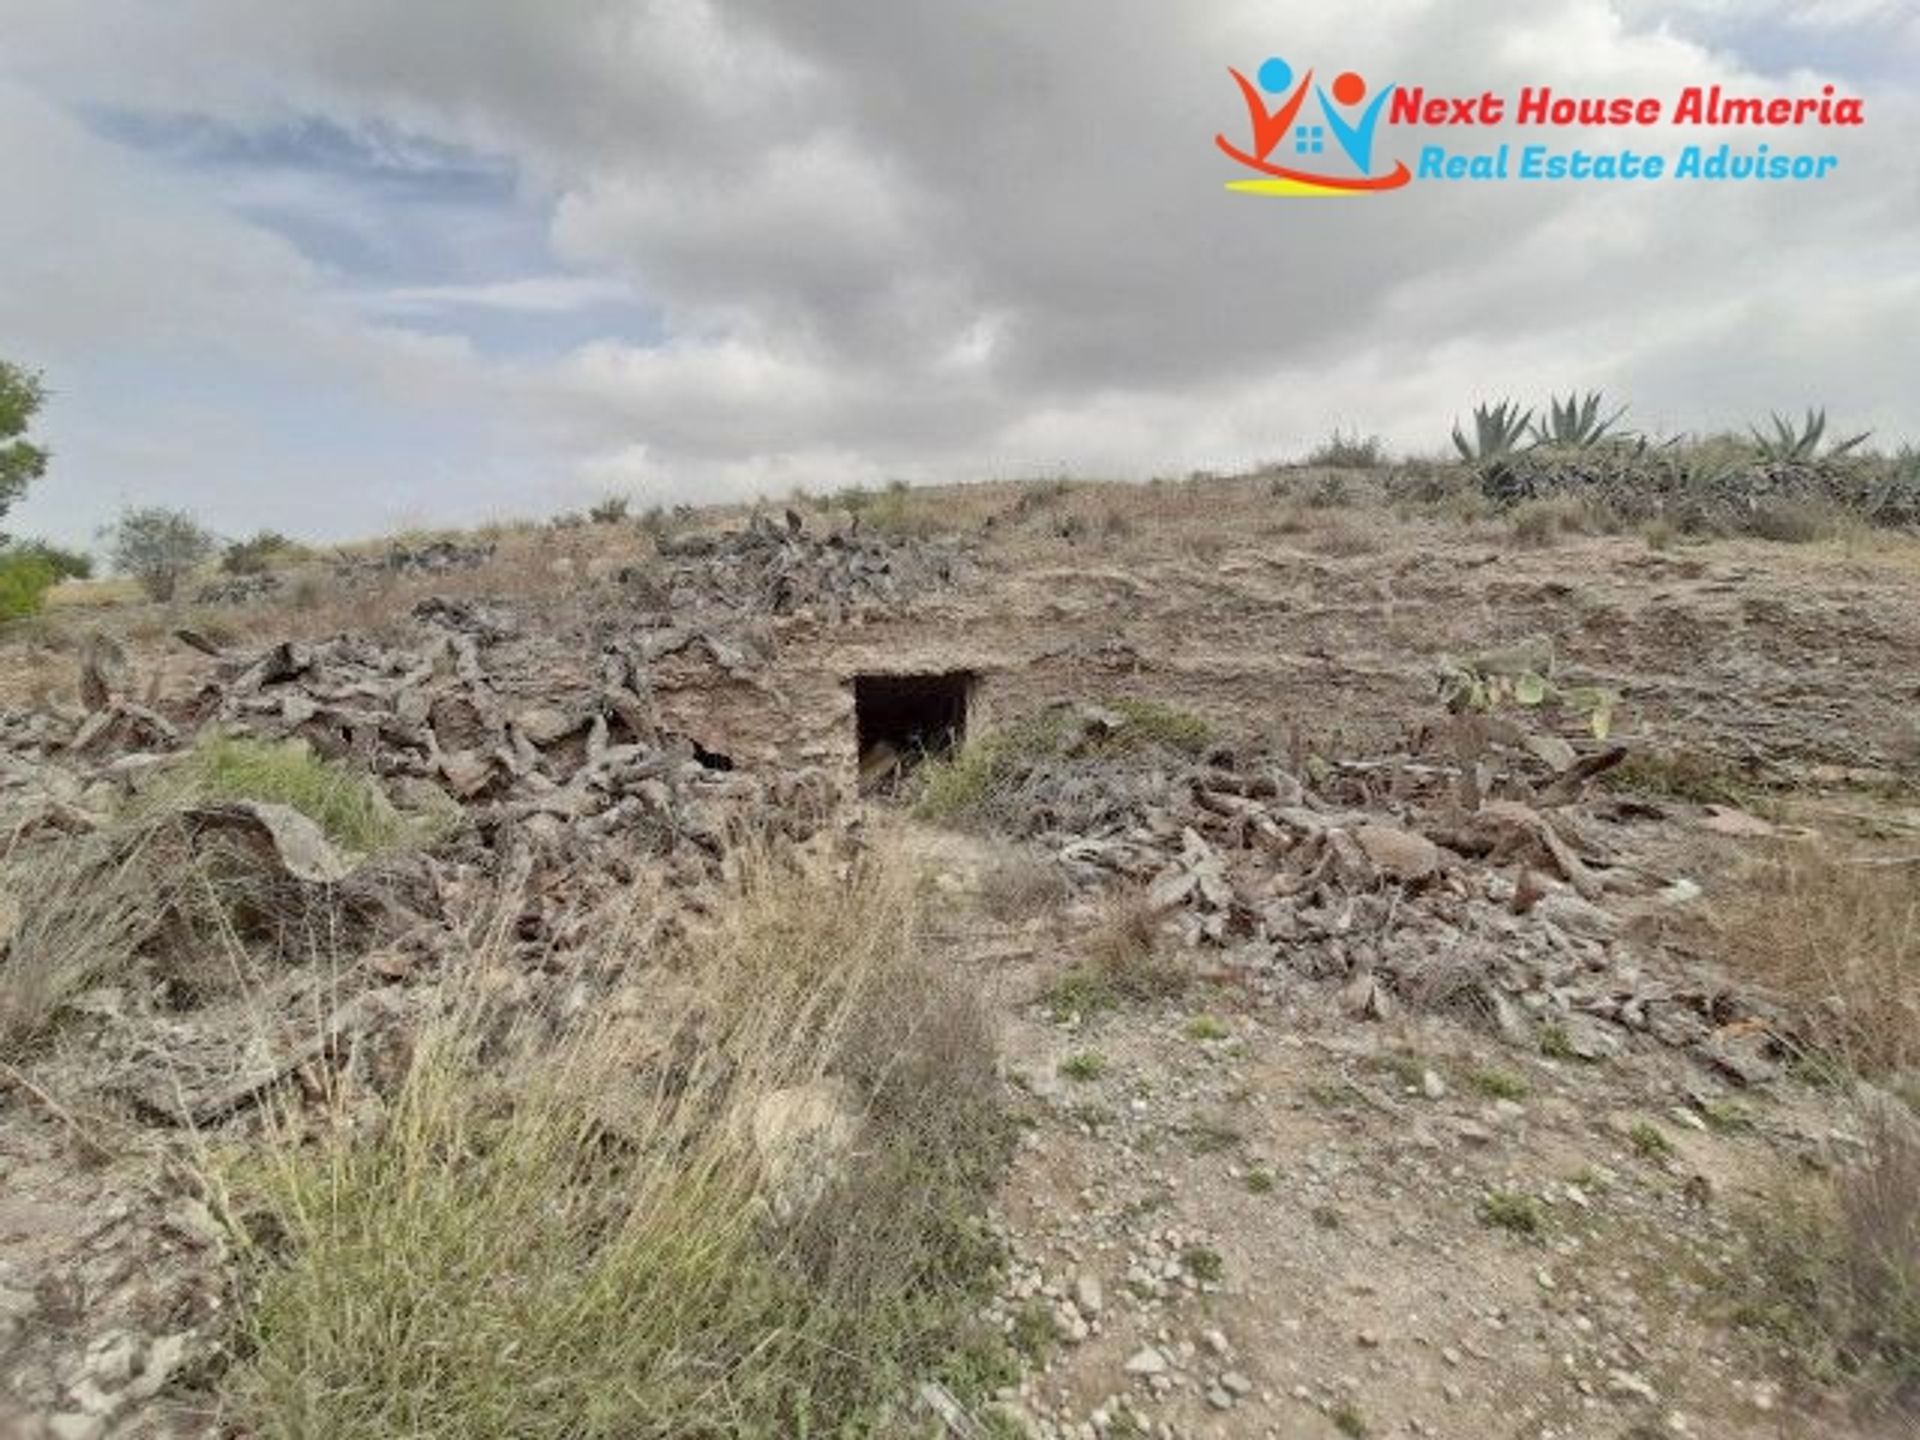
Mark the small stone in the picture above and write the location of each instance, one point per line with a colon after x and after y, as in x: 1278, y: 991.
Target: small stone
x: 1625, y: 1385
x: 112, y: 1362
x: 1215, y: 1340
x: 1369, y: 1339
x: 76, y: 1427
x: 1147, y: 1361
x: 1088, y: 1294
x: 164, y: 1357
x: 1234, y: 1383
x: 1432, y: 1086
x: 1219, y: 1399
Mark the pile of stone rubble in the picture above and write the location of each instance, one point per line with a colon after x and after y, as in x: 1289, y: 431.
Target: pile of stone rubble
x: 782, y: 568
x: 436, y: 557
x: 1378, y: 878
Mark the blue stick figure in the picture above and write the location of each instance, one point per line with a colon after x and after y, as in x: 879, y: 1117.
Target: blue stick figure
x: 1355, y: 138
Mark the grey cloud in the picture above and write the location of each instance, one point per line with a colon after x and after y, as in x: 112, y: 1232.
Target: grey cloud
x: 931, y: 240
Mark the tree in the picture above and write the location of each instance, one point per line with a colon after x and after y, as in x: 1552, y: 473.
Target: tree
x: 157, y: 546
x: 21, y: 461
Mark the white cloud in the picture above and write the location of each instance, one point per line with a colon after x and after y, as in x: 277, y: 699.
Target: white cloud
x: 530, y: 294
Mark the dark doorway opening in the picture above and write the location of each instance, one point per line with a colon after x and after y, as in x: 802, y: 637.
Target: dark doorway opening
x: 900, y: 720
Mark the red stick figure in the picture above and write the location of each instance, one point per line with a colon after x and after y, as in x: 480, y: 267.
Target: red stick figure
x: 1271, y: 126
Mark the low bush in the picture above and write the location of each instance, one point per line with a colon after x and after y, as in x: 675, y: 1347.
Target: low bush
x: 610, y: 511
x: 259, y: 553
x: 981, y: 784
x: 1692, y: 775
x: 1349, y: 452
x: 1121, y: 960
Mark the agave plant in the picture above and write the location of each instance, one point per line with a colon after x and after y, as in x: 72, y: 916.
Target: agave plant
x: 1575, y: 424
x: 1800, y: 444
x: 1497, y: 430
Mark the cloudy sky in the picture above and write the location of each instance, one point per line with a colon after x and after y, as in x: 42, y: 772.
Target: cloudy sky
x: 334, y: 268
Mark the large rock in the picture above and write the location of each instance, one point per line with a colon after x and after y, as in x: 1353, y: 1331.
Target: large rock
x: 802, y: 1136
x: 1399, y: 854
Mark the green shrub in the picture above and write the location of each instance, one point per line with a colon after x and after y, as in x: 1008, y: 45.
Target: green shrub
x: 1203, y: 1263
x: 1149, y: 722
x: 67, y: 564
x: 1497, y: 1084
x: 1648, y: 1140
x: 1513, y: 1212
x: 258, y: 554
x: 1086, y: 1065
x: 24, y: 582
x: 610, y: 511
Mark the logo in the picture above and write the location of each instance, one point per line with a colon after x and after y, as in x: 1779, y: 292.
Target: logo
x: 1284, y: 129
x: 1305, y: 139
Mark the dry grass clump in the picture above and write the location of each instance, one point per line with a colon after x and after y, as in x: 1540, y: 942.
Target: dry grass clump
x: 1835, y: 1270
x: 1839, y: 939
x: 1796, y: 522
x: 1693, y: 775
x: 1121, y: 960
x: 1538, y: 524
x: 183, y: 910
x: 72, y: 914
x: 1021, y: 885
x: 1343, y: 539
x: 738, y: 1199
x: 985, y: 783
x: 159, y: 897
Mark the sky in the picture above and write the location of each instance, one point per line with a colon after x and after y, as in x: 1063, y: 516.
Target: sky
x: 336, y: 269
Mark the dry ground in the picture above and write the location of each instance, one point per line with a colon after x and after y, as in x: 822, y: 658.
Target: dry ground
x: 1235, y: 1212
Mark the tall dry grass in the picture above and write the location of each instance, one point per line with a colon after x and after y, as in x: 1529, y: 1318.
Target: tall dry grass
x: 72, y: 915
x: 1838, y: 938
x: 1833, y: 1270
x: 627, y: 1223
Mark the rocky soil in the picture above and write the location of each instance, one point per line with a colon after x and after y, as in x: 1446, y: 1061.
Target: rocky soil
x: 1446, y: 1127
